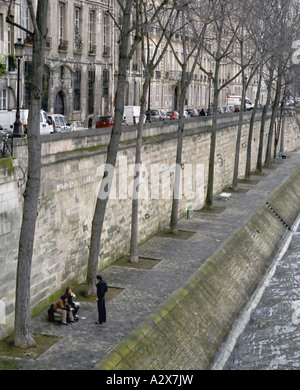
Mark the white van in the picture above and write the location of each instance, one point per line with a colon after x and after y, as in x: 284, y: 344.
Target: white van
x: 233, y: 100
x: 132, y: 115
x: 8, y: 118
x: 59, y: 123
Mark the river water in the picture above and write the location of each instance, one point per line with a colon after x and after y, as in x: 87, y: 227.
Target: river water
x: 271, y: 337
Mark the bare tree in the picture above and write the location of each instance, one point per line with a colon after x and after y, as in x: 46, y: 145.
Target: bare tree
x: 166, y: 20
x: 23, y: 333
x: 222, y: 44
x: 129, y: 15
x: 246, y: 62
x: 286, y: 16
x: 125, y: 55
x: 194, y: 20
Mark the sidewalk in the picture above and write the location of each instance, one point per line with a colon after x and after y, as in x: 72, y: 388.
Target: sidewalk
x: 84, y: 343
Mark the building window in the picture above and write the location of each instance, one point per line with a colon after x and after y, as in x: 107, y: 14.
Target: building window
x: 91, y: 47
x: 77, y: 21
x: 10, y: 38
x: 77, y: 33
x: 166, y: 96
x: 105, y: 83
x: 3, y: 99
x: 1, y: 27
x: 104, y: 33
x: 26, y: 16
x: 157, y: 90
x: 77, y: 83
x: 61, y: 21
x: 91, y: 81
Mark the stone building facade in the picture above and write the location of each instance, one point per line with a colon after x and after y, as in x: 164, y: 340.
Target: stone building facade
x: 81, y: 60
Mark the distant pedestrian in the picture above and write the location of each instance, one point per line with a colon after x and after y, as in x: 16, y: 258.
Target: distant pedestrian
x: 202, y: 112
x: 101, y: 290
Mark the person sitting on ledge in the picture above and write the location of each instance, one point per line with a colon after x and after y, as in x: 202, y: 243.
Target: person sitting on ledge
x: 282, y: 155
x: 61, y: 307
x: 74, y: 306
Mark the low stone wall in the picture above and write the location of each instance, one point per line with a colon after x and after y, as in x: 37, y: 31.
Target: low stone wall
x: 188, y: 329
x: 72, y: 168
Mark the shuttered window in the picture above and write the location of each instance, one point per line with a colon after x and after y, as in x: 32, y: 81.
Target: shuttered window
x: 77, y: 84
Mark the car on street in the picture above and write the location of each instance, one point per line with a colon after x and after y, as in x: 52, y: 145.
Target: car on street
x: 158, y: 115
x: 59, y: 123
x: 220, y: 110
x: 290, y: 102
x: 173, y: 115
x: 192, y: 112
x: 105, y: 121
x: 77, y: 126
x: 186, y: 114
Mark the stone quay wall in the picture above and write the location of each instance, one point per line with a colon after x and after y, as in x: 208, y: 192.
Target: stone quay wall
x: 176, y: 336
x: 72, y: 168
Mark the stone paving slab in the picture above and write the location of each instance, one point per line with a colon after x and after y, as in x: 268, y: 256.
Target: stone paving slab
x: 84, y: 343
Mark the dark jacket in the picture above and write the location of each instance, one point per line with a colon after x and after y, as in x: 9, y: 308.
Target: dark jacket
x: 70, y: 299
x: 101, y: 289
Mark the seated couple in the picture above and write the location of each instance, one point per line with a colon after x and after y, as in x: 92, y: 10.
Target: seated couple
x: 66, y: 307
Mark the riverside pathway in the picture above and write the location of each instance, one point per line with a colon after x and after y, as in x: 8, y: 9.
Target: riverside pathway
x: 84, y: 343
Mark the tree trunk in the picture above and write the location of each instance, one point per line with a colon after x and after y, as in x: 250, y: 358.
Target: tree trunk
x: 102, y: 199
x: 134, y: 254
x: 259, y: 164
x: 211, y: 166
x: 177, y: 178
x: 268, y: 161
x: 23, y: 334
x: 250, y: 135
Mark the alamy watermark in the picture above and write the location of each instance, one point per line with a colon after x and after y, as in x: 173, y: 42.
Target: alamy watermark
x: 296, y: 54
x: 152, y: 181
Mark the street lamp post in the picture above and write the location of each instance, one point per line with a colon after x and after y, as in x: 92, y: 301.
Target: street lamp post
x: 210, y: 75
x: 17, y: 132
x: 148, y: 114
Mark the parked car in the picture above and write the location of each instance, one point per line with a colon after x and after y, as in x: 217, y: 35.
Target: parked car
x: 105, y: 121
x: 59, y: 123
x: 173, y: 115
x: 77, y: 126
x: 186, y: 114
x: 158, y: 115
x: 108, y: 121
x: 192, y: 112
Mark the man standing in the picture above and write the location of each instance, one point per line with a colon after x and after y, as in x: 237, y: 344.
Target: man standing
x: 101, y: 290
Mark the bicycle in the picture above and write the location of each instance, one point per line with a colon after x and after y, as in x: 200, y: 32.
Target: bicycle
x: 5, y: 144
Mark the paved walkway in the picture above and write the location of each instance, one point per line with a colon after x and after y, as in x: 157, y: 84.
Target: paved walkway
x: 84, y: 343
